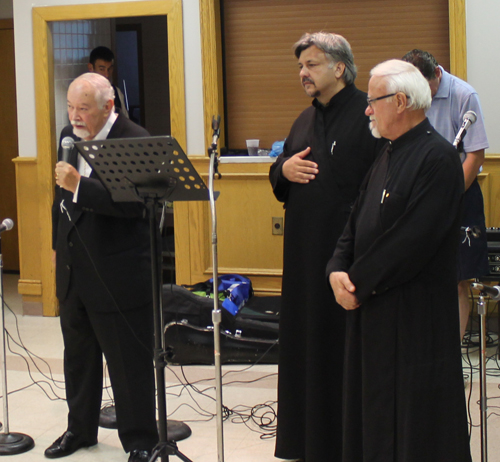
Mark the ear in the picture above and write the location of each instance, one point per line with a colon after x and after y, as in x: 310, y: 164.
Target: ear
x: 339, y: 69
x: 108, y: 107
x: 438, y: 72
x: 401, y: 102
x: 90, y: 67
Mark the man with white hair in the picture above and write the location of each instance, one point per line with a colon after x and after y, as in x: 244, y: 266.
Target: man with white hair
x: 103, y: 283
x: 394, y: 273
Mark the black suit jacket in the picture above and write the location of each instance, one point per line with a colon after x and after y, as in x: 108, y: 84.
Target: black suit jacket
x: 104, y: 249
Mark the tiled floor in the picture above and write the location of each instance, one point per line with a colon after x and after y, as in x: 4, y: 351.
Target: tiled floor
x: 35, y: 410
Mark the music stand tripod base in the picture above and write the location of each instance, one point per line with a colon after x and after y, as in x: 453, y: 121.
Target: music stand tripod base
x: 176, y: 430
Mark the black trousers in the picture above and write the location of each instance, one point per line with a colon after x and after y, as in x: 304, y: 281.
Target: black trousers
x: 126, y: 340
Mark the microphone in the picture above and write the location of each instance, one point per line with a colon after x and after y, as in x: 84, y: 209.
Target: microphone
x: 6, y: 225
x: 67, y: 144
x: 493, y: 292
x: 216, y: 129
x: 470, y: 117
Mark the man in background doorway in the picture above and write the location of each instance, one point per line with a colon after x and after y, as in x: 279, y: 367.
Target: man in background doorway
x: 451, y: 99
x: 102, y: 61
x: 325, y: 158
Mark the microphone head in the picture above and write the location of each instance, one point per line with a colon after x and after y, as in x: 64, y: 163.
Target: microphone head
x: 67, y: 142
x: 8, y: 223
x: 471, y: 116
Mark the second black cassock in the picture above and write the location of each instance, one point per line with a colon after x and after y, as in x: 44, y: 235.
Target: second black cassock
x: 312, y: 325
x: 404, y: 393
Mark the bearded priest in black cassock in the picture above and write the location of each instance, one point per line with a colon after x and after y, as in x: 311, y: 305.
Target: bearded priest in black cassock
x: 326, y: 156
x: 394, y: 272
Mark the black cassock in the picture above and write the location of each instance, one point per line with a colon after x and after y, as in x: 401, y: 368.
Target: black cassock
x: 312, y: 325
x: 404, y: 394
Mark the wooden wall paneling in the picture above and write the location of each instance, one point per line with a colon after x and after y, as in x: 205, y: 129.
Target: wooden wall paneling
x: 8, y: 146
x: 458, y: 40
x: 245, y: 242
x: 182, y: 243
x: 46, y: 156
x: 264, y: 95
x: 489, y: 181
x: 30, y: 282
x: 213, y: 101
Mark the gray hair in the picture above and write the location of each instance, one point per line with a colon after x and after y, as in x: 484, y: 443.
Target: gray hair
x: 335, y: 47
x: 404, y: 77
x: 103, y: 89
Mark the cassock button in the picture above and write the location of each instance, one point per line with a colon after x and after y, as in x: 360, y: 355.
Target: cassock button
x: 68, y: 267
x: 70, y: 244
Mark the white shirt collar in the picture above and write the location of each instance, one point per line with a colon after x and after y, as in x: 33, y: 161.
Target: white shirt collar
x: 103, y: 134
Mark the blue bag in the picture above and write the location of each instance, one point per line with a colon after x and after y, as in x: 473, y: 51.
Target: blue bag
x: 234, y: 290
x: 237, y: 289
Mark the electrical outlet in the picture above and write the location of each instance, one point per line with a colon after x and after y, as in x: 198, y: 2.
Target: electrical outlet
x: 278, y: 226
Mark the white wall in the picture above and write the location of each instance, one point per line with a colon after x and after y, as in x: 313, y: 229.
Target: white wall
x: 23, y: 36
x: 483, y: 64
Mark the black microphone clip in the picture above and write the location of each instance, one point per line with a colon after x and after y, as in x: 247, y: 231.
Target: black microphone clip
x: 212, y: 151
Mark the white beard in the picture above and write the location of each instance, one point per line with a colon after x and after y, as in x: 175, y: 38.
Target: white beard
x: 81, y: 132
x: 374, y: 130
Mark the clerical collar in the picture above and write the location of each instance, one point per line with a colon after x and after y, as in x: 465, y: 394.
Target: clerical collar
x: 412, y: 134
x: 338, y: 98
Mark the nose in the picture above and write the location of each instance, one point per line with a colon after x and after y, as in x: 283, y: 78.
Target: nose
x: 368, y: 110
x: 303, y: 72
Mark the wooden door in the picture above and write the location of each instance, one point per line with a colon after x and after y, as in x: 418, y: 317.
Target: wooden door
x: 8, y: 146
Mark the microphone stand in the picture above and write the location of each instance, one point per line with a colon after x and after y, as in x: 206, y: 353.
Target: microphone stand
x: 10, y: 443
x: 481, y: 311
x: 216, y: 313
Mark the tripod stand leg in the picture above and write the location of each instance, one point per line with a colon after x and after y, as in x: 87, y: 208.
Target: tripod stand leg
x: 164, y: 448
x: 481, y: 311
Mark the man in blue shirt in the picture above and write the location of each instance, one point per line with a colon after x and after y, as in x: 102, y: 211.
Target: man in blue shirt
x: 451, y: 99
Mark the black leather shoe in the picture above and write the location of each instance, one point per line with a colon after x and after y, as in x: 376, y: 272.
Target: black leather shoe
x: 139, y: 456
x: 65, y: 445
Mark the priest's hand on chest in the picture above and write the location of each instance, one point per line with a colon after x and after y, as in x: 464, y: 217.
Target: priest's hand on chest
x: 299, y: 170
x: 343, y: 290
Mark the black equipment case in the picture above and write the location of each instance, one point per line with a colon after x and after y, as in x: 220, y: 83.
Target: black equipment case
x: 250, y: 336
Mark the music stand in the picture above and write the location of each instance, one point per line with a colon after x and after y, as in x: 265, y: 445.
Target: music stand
x: 149, y: 170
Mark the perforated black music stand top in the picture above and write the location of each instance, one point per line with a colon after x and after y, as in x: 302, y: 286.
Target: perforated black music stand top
x: 133, y: 169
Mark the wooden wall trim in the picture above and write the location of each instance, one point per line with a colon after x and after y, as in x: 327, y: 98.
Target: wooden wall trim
x: 30, y: 282
x: 46, y: 147
x: 213, y: 91
x: 458, y: 39
x: 29, y: 287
